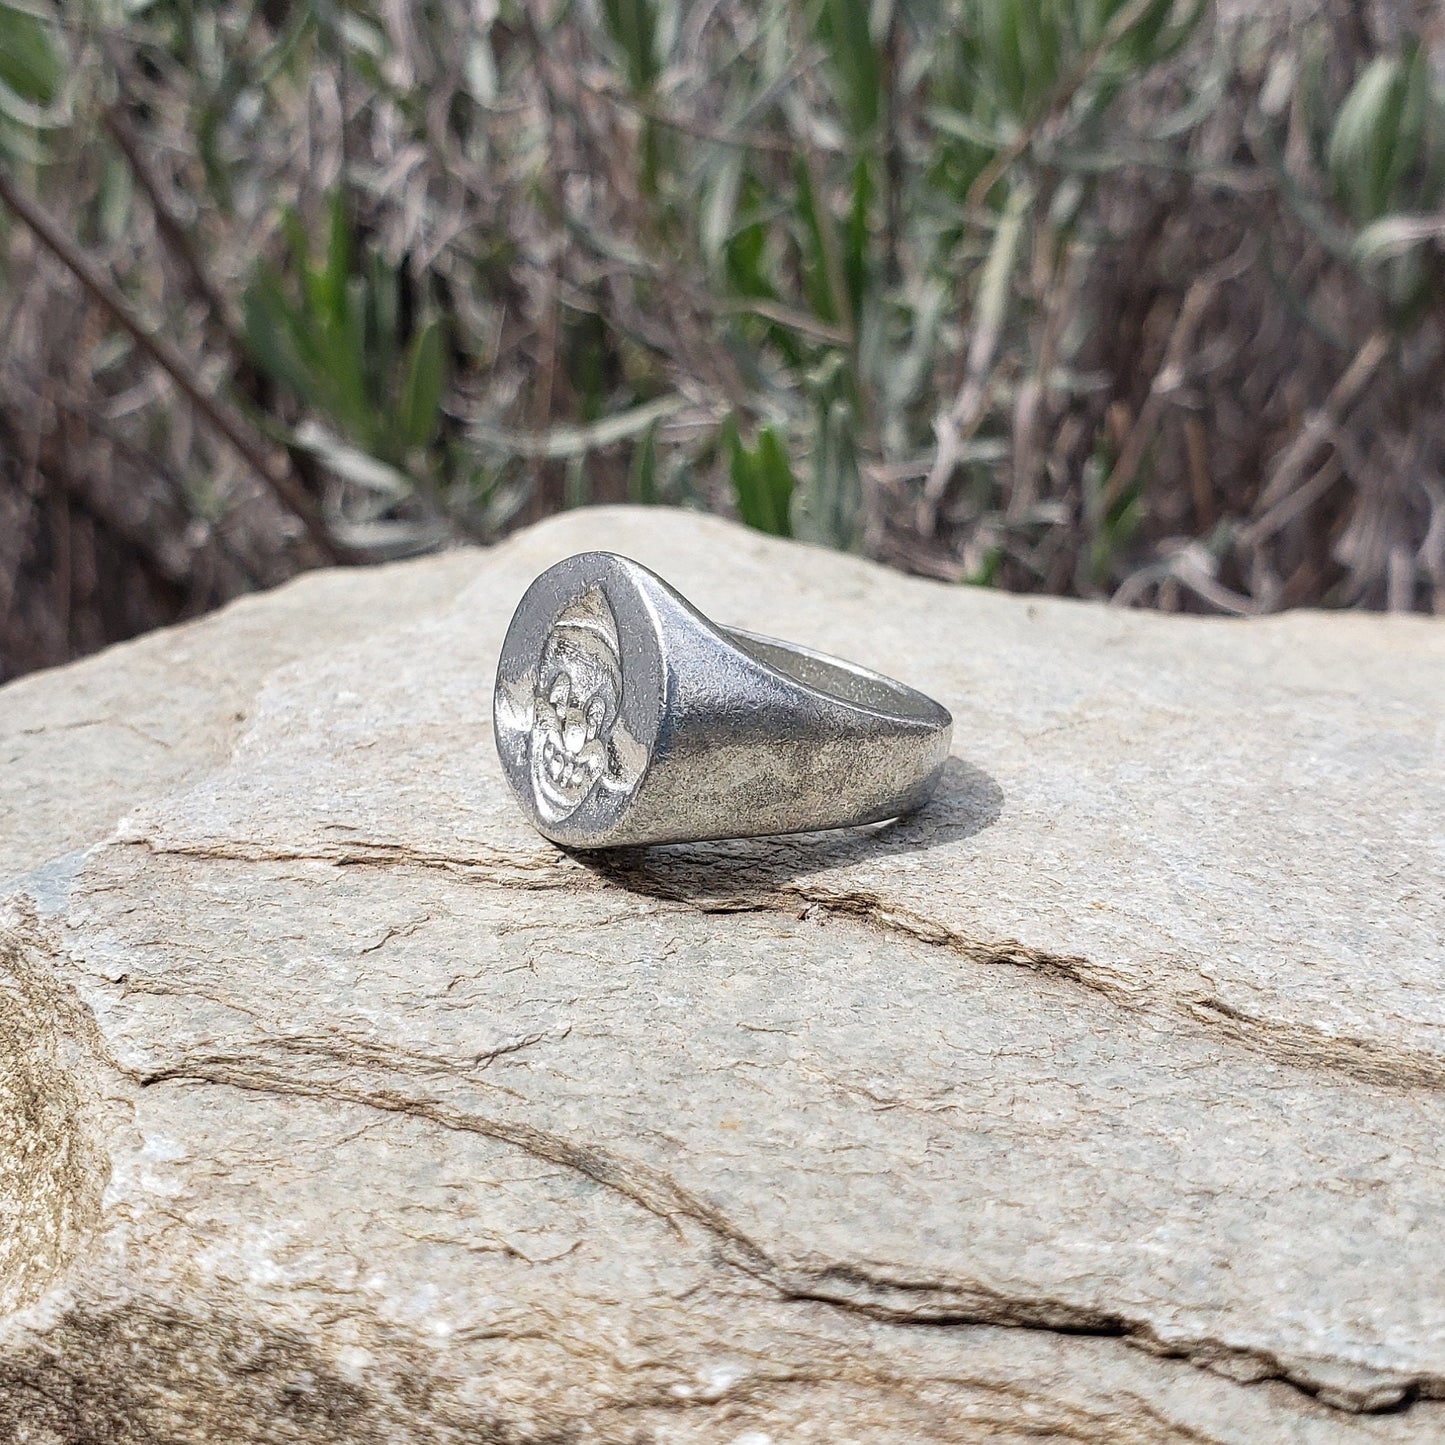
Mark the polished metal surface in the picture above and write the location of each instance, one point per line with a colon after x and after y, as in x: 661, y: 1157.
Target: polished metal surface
x: 623, y: 716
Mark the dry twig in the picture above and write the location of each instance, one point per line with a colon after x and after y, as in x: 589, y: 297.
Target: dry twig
x: 175, y: 366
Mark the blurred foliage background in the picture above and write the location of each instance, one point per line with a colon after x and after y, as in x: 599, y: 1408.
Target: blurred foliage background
x: 1129, y: 299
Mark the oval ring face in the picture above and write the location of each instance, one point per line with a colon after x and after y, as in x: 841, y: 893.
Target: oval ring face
x: 578, y: 697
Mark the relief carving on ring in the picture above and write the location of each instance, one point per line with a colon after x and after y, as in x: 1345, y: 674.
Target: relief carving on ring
x: 575, y: 707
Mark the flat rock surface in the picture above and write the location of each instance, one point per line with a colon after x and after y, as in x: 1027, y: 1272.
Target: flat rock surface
x: 1103, y: 1100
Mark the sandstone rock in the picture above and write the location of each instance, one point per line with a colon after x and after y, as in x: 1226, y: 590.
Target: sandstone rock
x: 1101, y: 1101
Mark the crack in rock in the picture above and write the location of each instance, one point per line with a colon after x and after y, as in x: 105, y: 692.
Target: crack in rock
x: 505, y: 868
x: 1295, y: 1045
x: 1338, y: 1383
x: 847, y: 1287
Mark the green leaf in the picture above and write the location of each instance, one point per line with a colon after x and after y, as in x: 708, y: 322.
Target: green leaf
x: 331, y: 280
x: 775, y: 477
x: 988, y: 569
x: 382, y: 322
x: 425, y: 379
x: 271, y: 335
x: 719, y: 211
x: 632, y: 25
x: 564, y: 442
x: 843, y: 26
x: 114, y: 196
x: 312, y: 341
x: 1367, y: 151
x: 969, y: 128
x: 740, y: 470
x: 762, y: 480
x: 1417, y: 99
x: 746, y: 255
x: 31, y: 69
x: 294, y: 230
x: 344, y: 342
x: 33, y: 96
x: 352, y: 465
x: 642, y: 480
x: 1021, y: 50
x: 833, y: 502
x: 1150, y: 38
x: 814, y: 245
x: 857, y: 241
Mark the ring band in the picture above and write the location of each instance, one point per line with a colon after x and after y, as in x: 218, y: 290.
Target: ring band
x: 623, y: 716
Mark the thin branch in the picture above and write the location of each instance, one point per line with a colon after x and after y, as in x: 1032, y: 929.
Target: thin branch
x: 1293, y: 503
x: 172, y: 232
x: 73, y: 407
x: 1343, y: 395
x: 1171, y: 374
x: 956, y: 426
x: 282, y: 484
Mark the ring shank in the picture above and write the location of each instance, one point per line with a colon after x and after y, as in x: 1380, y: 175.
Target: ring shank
x: 691, y: 730
x: 844, y: 681
x: 764, y: 736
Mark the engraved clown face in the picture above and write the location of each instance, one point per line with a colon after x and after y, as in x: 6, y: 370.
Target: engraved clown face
x: 578, y: 693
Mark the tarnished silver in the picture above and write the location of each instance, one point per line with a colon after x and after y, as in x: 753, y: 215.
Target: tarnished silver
x: 623, y: 716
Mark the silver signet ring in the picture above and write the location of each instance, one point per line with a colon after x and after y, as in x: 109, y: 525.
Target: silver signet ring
x: 623, y: 716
